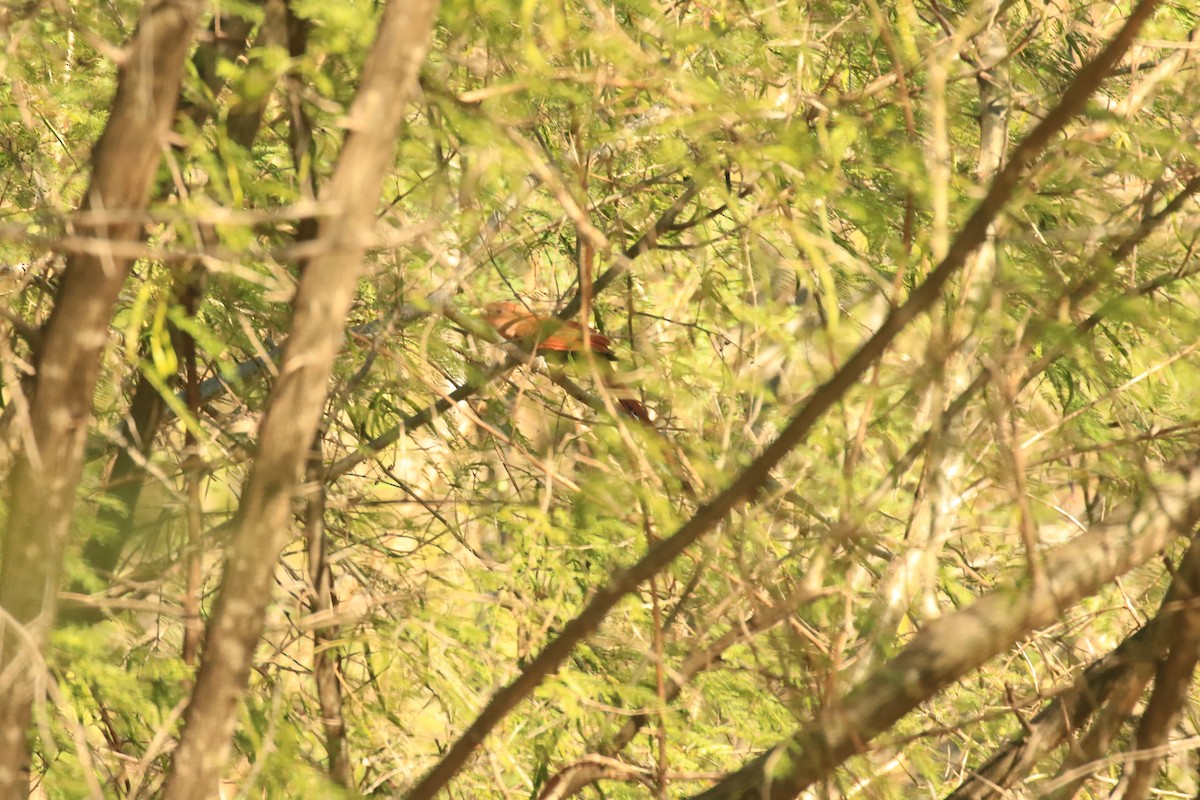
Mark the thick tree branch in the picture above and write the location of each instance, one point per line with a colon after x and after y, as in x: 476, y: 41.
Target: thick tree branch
x: 41, y: 487
x: 1171, y: 681
x: 953, y: 645
x: 1121, y: 673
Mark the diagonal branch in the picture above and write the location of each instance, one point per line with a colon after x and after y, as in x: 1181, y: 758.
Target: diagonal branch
x: 953, y: 645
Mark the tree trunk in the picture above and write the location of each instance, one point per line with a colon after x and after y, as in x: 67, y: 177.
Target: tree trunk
x: 41, y: 490
x: 323, y: 299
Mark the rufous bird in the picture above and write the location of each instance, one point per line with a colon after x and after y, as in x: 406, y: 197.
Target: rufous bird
x: 565, y: 339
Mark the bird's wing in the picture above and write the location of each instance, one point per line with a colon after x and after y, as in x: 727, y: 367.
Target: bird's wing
x: 513, y: 322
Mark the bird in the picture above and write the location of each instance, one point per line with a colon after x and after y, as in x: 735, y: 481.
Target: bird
x: 563, y: 340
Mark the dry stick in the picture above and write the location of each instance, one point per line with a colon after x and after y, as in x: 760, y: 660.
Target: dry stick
x: 193, y: 625
x: 592, y: 769
x: 743, y: 490
x: 321, y: 597
x: 322, y: 600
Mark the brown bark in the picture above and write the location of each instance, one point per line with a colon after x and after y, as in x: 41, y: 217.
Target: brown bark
x: 1123, y: 695
x: 323, y: 602
x: 322, y: 302
x: 1121, y: 673
x: 184, y: 343
x: 326, y: 660
x: 41, y: 487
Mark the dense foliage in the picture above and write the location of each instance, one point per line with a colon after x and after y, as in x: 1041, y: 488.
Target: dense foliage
x: 739, y: 196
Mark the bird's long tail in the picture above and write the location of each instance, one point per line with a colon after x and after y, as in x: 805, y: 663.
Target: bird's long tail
x: 634, y: 408
x: 625, y: 396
